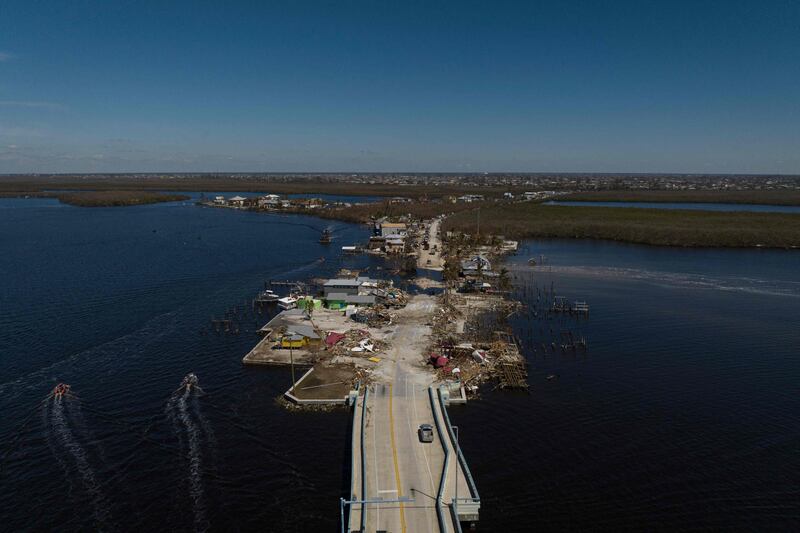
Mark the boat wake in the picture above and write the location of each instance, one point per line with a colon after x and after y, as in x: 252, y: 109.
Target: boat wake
x: 192, y: 430
x: 682, y: 280
x: 61, y: 414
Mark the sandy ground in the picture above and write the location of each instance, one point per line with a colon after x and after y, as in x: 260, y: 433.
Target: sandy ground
x: 428, y: 283
x: 410, y: 336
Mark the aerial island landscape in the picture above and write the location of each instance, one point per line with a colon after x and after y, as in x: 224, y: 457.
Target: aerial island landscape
x: 302, y: 276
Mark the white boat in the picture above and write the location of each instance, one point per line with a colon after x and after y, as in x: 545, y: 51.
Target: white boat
x: 289, y: 302
x: 267, y: 297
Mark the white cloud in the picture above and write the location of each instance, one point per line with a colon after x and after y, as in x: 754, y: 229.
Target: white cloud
x: 5, y: 56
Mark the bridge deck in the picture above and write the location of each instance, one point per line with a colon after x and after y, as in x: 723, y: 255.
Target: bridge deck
x: 398, y: 465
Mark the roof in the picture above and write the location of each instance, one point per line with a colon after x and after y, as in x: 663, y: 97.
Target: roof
x: 351, y: 298
x: 393, y: 225
x: 238, y: 199
x: 305, y: 331
x: 361, y: 299
x: 343, y: 283
x: 336, y: 296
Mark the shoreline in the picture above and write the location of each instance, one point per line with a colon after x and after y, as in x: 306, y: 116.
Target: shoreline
x: 673, y: 228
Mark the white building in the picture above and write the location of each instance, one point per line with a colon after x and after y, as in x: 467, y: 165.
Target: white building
x: 392, y: 228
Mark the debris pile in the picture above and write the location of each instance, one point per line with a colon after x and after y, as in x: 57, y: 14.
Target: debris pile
x: 394, y: 297
x: 465, y: 362
x: 447, y: 313
x: 363, y: 376
x: 354, y: 342
x: 376, y: 317
x: 472, y: 363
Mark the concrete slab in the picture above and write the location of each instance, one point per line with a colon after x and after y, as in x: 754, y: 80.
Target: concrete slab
x: 263, y: 354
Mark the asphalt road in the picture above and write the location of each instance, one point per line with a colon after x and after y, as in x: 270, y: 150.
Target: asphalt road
x: 398, y: 464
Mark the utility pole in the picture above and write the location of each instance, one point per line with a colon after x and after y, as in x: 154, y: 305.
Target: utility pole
x: 479, y: 223
x: 291, y: 356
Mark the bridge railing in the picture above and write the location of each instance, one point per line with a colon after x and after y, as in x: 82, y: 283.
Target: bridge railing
x: 352, y: 497
x: 471, y: 504
x: 439, y: 512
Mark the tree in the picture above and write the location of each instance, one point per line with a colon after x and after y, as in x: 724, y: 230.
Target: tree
x: 451, y: 269
x: 504, y: 280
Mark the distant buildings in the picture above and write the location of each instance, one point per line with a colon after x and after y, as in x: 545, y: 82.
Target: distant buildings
x: 539, y: 195
x: 471, y: 198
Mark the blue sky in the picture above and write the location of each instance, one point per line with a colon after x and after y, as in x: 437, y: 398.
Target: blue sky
x: 641, y: 86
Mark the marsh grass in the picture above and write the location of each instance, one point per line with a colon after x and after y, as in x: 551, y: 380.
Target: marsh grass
x: 662, y: 227
x: 117, y: 198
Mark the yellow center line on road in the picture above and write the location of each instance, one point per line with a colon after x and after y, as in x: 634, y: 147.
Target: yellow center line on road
x: 396, y: 466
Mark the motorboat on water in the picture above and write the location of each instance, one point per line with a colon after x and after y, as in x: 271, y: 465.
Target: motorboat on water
x: 189, y: 381
x: 60, y: 390
x: 326, y: 237
x: 267, y: 297
x: 289, y: 302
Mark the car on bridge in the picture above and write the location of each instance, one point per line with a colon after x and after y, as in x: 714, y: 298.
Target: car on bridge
x: 425, y: 433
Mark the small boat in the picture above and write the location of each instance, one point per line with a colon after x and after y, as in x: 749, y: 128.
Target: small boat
x: 60, y: 390
x: 289, y: 302
x: 532, y: 261
x: 267, y: 297
x: 326, y: 237
x: 189, y: 381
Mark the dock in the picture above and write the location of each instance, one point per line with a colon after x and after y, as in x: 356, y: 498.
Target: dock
x: 510, y: 366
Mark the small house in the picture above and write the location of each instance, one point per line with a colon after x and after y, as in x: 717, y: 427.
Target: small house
x: 272, y: 201
x: 341, y: 286
x: 299, y: 336
x: 475, y: 265
x: 392, y: 228
x: 237, y: 201
x: 340, y: 300
x: 376, y: 243
x: 394, y: 244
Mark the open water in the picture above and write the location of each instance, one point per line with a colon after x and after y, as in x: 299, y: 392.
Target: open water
x: 683, y: 414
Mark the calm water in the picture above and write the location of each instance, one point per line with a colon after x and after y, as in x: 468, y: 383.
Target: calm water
x: 683, y: 414
x: 756, y: 208
x: 113, y: 301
